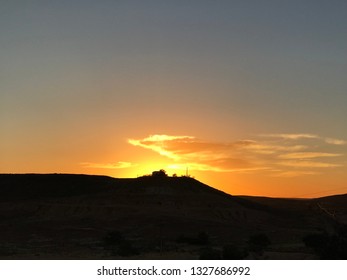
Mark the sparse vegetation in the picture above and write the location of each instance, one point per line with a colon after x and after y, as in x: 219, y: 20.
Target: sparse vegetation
x: 201, y: 238
x: 257, y: 243
x: 231, y: 252
x: 118, y: 245
x: 159, y: 174
x: 228, y: 252
x: 327, y: 247
x: 213, y: 225
x: 209, y: 253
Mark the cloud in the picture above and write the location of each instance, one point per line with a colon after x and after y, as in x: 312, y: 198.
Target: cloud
x: 335, y: 141
x: 292, y: 136
x: 248, y: 155
x: 298, y: 136
x: 294, y: 173
x: 214, y: 168
x: 307, y: 163
x: 200, y: 155
x: 117, y: 165
x: 161, y: 143
x: 307, y: 155
x: 272, y: 149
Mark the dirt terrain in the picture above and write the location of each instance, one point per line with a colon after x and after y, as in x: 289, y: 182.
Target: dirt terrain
x: 60, y: 216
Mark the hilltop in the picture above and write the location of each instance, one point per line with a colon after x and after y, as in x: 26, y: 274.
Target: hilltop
x: 63, y: 216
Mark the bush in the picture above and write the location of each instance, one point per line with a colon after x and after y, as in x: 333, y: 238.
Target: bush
x: 159, y: 174
x: 231, y: 252
x: 113, y: 238
x: 209, y: 253
x: 316, y: 241
x: 201, y: 238
x: 258, y: 243
x: 126, y: 249
x: 327, y: 247
x: 118, y: 245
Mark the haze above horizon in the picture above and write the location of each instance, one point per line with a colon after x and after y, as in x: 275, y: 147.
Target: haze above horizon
x: 249, y: 96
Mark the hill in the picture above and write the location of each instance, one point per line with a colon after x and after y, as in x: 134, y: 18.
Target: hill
x: 62, y: 216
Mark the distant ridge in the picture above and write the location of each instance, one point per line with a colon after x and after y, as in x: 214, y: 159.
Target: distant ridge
x: 28, y: 186
x: 64, y: 184
x: 31, y: 185
x: 48, y: 185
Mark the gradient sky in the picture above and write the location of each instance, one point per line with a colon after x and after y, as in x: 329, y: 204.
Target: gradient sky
x: 250, y: 96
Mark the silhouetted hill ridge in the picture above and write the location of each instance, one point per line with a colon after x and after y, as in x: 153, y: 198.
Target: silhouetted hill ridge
x: 61, y: 185
x: 30, y: 186
x: 55, y: 186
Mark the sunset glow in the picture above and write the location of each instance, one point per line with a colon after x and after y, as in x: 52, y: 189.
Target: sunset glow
x: 246, y: 97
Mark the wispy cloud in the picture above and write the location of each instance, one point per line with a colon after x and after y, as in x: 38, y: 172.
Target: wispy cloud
x: 161, y: 143
x: 307, y: 155
x: 214, y: 168
x: 297, y: 136
x: 200, y: 155
x: 117, y: 165
x: 293, y: 173
x: 335, y: 141
x: 307, y: 163
x: 293, y: 136
x: 266, y: 148
x: 291, y: 151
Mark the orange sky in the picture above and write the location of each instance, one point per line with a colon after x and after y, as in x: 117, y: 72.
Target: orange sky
x: 280, y: 165
x: 285, y: 165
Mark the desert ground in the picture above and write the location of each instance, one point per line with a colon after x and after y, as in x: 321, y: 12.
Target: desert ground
x: 62, y: 216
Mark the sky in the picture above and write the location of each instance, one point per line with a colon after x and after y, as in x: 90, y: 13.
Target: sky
x: 246, y: 96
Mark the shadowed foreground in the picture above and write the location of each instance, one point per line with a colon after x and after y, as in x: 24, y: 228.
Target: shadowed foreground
x: 58, y: 216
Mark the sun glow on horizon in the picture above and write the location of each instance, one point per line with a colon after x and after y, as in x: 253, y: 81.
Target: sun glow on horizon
x: 268, y: 164
x: 276, y: 155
